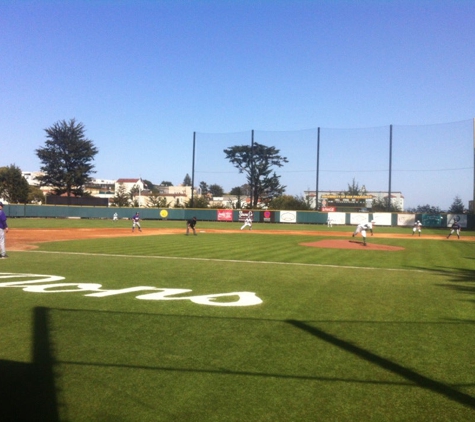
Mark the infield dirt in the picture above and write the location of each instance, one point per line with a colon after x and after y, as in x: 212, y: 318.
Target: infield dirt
x: 27, y: 239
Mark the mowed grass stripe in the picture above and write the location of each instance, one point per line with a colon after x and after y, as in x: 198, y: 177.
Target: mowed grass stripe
x: 427, y: 255
x: 227, y: 260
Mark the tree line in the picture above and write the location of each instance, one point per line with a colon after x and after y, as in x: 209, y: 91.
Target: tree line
x: 67, y: 165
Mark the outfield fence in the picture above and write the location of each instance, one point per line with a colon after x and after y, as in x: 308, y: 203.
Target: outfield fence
x: 228, y: 215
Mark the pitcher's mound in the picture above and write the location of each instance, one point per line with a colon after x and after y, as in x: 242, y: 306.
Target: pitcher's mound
x: 351, y: 244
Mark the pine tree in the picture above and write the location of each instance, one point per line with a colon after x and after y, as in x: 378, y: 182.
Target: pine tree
x: 457, y: 206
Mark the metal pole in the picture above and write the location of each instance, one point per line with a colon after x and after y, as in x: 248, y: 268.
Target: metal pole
x: 252, y: 170
x: 318, y: 169
x: 193, y: 172
x: 473, y: 197
x: 390, y: 164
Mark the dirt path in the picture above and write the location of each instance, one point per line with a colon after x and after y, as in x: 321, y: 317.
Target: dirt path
x: 27, y: 239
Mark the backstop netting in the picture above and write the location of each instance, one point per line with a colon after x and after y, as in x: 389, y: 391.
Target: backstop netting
x: 432, y: 164
x: 428, y: 164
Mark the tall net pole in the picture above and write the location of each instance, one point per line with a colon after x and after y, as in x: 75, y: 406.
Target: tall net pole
x: 193, y: 171
x: 318, y: 169
x: 390, y: 164
x: 252, y: 170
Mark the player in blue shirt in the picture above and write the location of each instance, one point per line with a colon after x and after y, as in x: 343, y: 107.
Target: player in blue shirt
x: 136, y: 222
x: 3, y: 231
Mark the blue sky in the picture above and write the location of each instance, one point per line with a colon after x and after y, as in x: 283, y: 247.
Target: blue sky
x: 144, y: 75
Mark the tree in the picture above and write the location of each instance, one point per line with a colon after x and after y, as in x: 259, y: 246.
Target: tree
x: 380, y: 204
x: 35, y: 195
x: 271, y: 188
x: 239, y: 191
x: 257, y: 162
x: 353, y: 189
x: 187, y: 180
x: 133, y: 193
x: 147, y: 184
x: 121, y: 197
x: 216, y: 190
x: 425, y: 209
x: 236, y: 191
x: 199, y: 202
x: 166, y: 183
x: 204, y: 189
x: 66, y: 158
x: 289, y: 202
x: 14, y: 188
x: 457, y: 206
x: 157, y: 201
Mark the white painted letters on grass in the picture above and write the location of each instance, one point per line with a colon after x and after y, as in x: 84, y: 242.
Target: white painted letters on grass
x: 39, y: 283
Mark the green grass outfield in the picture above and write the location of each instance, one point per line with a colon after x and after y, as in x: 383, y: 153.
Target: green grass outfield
x: 322, y: 334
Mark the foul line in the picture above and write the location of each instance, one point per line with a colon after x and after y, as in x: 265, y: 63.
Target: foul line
x: 235, y: 261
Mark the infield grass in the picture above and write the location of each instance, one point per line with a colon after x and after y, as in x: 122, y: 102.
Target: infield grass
x: 340, y: 335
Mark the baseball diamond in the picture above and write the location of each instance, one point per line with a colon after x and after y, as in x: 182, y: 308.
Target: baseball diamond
x: 23, y: 239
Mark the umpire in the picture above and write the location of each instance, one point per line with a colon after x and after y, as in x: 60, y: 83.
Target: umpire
x: 190, y: 224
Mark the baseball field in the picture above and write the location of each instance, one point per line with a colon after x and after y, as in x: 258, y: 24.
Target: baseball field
x: 281, y: 323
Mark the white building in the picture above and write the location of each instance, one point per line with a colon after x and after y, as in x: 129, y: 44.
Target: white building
x: 176, y: 196
x: 31, y: 177
x: 332, y: 199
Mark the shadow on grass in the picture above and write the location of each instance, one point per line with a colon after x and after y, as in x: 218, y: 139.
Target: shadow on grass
x: 464, y: 276
x: 456, y: 275
x: 408, y: 374
x: 27, y: 390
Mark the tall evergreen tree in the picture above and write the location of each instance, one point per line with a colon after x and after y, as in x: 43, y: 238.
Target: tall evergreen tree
x: 204, y: 188
x: 187, y: 180
x: 66, y: 158
x: 257, y: 161
x: 457, y: 206
x: 121, y: 197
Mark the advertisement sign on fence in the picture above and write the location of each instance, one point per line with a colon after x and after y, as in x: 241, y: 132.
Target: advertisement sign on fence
x: 432, y: 220
x: 457, y: 218
x: 288, y: 216
x: 267, y: 216
x: 225, y: 215
x: 244, y: 214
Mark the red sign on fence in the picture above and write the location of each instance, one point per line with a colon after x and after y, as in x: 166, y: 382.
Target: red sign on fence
x: 225, y: 215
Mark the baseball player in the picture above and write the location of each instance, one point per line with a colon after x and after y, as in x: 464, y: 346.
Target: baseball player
x: 329, y: 221
x: 456, y: 227
x: 190, y: 224
x: 115, y: 217
x: 417, y: 227
x: 361, y: 228
x: 136, y: 222
x: 3, y: 230
x: 248, y: 221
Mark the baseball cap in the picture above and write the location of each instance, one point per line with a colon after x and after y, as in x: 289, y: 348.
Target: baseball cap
x: 1, y: 204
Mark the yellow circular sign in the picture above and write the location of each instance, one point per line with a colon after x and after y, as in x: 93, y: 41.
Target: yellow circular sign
x: 164, y: 213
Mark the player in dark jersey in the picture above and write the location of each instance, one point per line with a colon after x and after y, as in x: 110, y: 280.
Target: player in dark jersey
x: 190, y: 224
